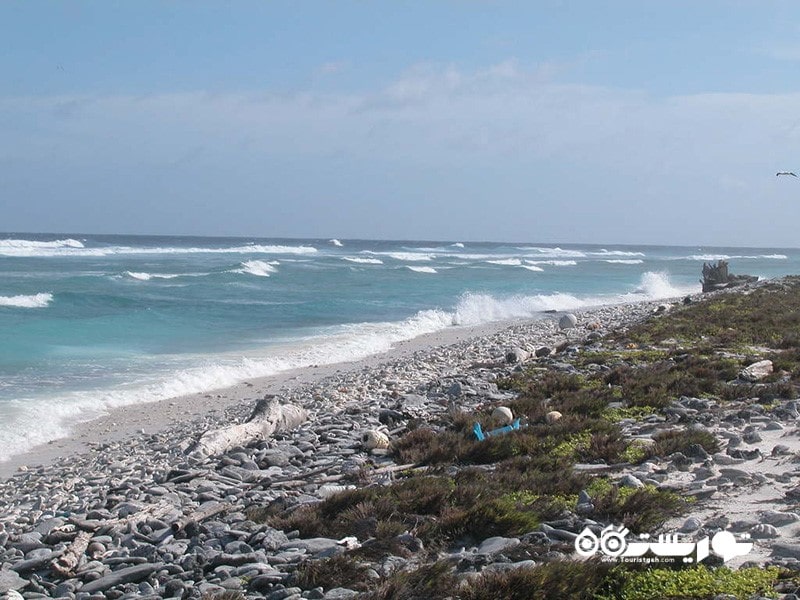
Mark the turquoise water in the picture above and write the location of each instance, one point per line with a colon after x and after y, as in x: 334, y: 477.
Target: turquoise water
x: 89, y: 322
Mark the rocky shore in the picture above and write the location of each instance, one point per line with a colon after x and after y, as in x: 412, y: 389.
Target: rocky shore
x: 145, y: 517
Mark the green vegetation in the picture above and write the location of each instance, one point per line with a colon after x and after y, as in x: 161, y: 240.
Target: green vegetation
x: 697, y: 582
x: 468, y: 490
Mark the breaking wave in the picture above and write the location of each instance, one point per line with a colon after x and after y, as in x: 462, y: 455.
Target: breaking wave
x: 625, y: 261
x: 421, y: 269
x: 32, y: 301
x: 364, y: 261
x: 259, y: 268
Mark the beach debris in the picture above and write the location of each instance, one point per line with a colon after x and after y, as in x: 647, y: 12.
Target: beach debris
x: 482, y: 435
x: 503, y: 415
x: 374, y: 439
x: 268, y: 417
x: 64, y: 564
x: 552, y: 417
x: 757, y: 371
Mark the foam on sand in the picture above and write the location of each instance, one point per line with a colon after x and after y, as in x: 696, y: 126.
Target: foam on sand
x: 32, y: 301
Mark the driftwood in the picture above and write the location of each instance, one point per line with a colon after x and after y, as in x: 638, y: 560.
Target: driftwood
x: 269, y: 416
x: 201, y: 514
x: 64, y: 564
x: 154, y: 511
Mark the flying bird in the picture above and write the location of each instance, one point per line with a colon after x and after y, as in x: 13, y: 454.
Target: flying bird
x: 785, y: 173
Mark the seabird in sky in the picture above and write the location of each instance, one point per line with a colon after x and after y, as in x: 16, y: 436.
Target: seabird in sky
x: 785, y: 173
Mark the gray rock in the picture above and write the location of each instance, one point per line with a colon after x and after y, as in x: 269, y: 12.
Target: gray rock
x: 339, y: 594
x: 495, y: 545
x: 543, y: 351
x: 757, y: 371
x: 568, y: 321
x: 629, y: 480
x: 786, y: 550
x: 132, y: 574
x: 558, y: 534
x: 10, y: 580
x: 778, y: 518
x: 516, y: 355
x: 691, y: 524
x: 311, y: 545
x: 762, y: 531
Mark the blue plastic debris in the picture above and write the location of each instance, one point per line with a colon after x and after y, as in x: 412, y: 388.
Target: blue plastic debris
x: 482, y: 435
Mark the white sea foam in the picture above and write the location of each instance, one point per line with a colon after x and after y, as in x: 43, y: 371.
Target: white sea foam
x: 604, y: 252
x: 625, y: 261
x: 409, y: 256
x: 32, y: 301
x: 30, y: 249
x: 509, y: 262
x: 365, y: 261
x: 555, y: 263
x: 20, y: 244
x: 421, y: 269
x: 714, y: 257
x: 259, y: 268
x: 457, y: 245
x: 554, y: 252
x: 532, y: 268
x: 655, y: 286
x: 27, y: 422
x: 335, y: 242
x: 148, y: 276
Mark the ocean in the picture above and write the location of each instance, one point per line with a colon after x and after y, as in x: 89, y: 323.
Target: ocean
x: 92, y: 322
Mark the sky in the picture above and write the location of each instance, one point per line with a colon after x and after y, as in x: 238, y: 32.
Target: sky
x: 624, y: 121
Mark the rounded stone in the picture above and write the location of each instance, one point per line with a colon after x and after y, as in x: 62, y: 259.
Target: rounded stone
x: 503, y: 415
x: 373, y: 439
x: 552, y: 417
x: 568, y: 321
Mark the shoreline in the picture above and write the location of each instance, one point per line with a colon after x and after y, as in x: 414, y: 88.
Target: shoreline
x: 126, y: 422
x: 167, y: 520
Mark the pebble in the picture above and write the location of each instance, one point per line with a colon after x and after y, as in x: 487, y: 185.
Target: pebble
x: 316, y: 461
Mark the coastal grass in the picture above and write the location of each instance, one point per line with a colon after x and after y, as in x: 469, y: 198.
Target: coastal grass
x: 589, y: 580
x: 466, y: 490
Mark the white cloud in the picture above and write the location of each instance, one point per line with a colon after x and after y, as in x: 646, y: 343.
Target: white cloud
x: 517, y: 127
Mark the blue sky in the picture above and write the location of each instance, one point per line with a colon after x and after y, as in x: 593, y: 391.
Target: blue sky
x: 549, y: 121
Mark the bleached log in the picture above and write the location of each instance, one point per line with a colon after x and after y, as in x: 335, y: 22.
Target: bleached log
x: 66, y: 563
x: 269, y: 416
x: 154, y: 511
